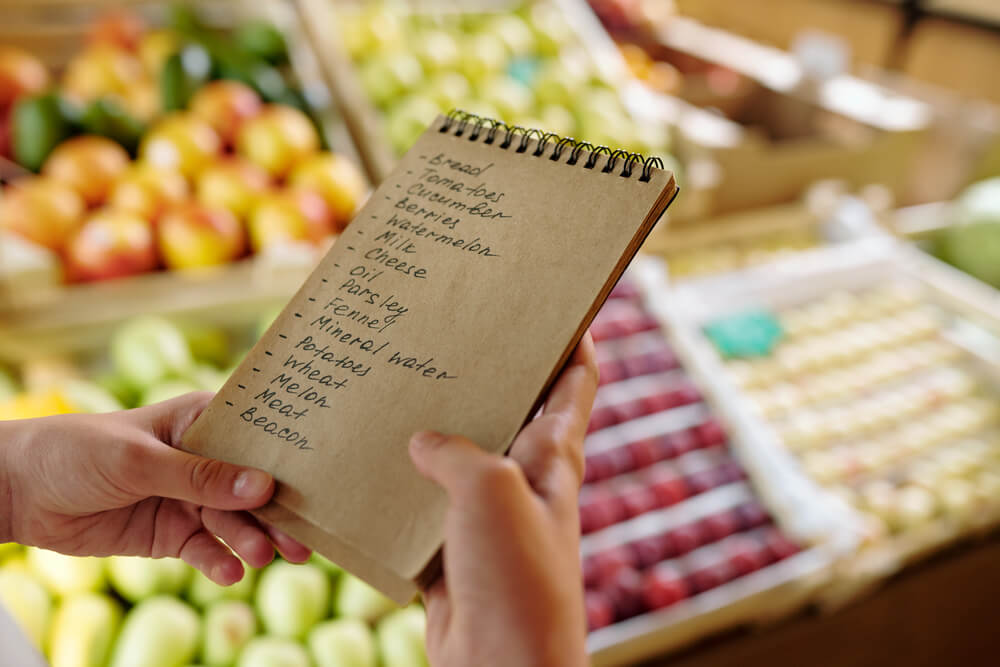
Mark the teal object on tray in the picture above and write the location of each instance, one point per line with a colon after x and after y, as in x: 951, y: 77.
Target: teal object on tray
x: 746, y: 335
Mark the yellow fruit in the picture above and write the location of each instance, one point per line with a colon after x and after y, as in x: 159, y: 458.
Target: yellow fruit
x: 277, y: 139
x: 154, y: 49
x: 30, y: 406
x: 42, y: 210
x: 89, y: 164
x: 147, y: 190
x: 336, y: 179
x: 182, y: 142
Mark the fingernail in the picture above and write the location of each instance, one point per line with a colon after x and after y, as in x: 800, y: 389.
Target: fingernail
x: 425, y: 439
x: 251, y: 483
x: 218, y: 574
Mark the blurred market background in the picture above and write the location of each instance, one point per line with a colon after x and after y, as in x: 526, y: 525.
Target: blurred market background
x: 794, y: 457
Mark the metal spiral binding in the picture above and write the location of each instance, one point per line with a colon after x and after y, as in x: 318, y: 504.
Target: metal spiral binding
x: 461, y: 121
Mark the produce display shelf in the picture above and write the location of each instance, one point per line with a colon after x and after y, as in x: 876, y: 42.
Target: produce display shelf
x: 965, y: 323
x: 29, y: 307
x: 656, y: 452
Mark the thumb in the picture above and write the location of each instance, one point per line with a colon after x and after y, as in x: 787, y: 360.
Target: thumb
x: 172, y: 473
x: 460, y: 466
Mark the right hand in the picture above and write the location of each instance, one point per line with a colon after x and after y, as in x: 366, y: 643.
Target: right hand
x: 511, y: 593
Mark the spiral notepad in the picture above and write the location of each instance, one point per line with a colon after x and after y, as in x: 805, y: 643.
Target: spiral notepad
x: 450, y: 303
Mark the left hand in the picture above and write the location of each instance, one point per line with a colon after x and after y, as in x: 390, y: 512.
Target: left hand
x: 115, y: 484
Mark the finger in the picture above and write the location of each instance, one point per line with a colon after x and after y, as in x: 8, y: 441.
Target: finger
x: 460, y: 467
x: 155, y: 469
x: 205, y: 553
x: 574, y: 391
x: 290, y: 549
x: 241, y: 533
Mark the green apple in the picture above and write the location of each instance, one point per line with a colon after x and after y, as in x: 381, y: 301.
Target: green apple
x: 449, y: 90
x: 83, y: 630
x: 28, y: 602
x: 137, y: 578
x: 514, y: 32
x: 292, y: 598
x: 229, y: 625
x: 345, y: 642
x: 202, y: 591
x: 149, y: 349
x: 8, y: 387
x: 560, y: 83
x: 160, y: 631
x: 552, y: 32
x: 273, y: 652
x: 164, y: 391
x: 512, y: 98
x: 208, y: 378
x: 332, y: 568
x: 65, y: 575
x: 482, y: 56
x: 437, y: 51
x: 557, y: 118
x: 408, y: 120
x: 9, y: 550
x: 401, y: 638
x: 89, y: 397
x: 388, y: 77
x: 356, y: 599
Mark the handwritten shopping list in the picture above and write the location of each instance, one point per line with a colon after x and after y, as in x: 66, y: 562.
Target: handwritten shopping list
x: 449, y: 303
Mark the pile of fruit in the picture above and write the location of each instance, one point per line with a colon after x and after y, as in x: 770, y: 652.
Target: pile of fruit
x: 526, y: 66
x: 878, y: 406
x: 665, y: 509
x: 149, y: 359
x: 131, y: 612
x: 227, y: 159
x: 727, y: 256
x: 972, y: 242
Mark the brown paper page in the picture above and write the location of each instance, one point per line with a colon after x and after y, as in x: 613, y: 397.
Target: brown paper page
x: 448, y: 304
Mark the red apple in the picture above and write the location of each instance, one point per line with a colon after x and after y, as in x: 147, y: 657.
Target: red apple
x: 651, y: 550
x: 668, y: 487
x: 611, y: 370
x: 600, y: 611
x: 89, y: 164
x: 148, y: 191
x: 745, y: 554
x: 336, y: 179
x: 680, y: 442
x: 621, y: 461
x: 710, y: 433
x: 779, y: 544
x: 182, y: 142
x: 21, y: 73
x: 319, y: 218
x: 193, y: 236
x: 232, y: 184
x: 41, y: 210
x: 704, y: 480
x: 277, y: 139
x: 602, y: 417
x: 720, y: 525
x: 607, y: 563
x: 225, y: 105
x: 686, y: 394
x: 598, y: 467
x: 686, y: 538
x: 659, y: 401
x: 752, y: 514
x: 731, y: 471
x: 111, y: 244
x: 628, y: 410
x: 711, y: 576
x: 625, y: 591
x: 636, y: 499
x: 644, y: 452
x: 663, y: 586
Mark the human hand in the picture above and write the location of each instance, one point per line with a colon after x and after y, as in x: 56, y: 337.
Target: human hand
x: 115, y: 484
x: 511, y: 593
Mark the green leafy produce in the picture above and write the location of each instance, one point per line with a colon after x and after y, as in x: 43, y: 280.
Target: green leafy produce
x: 292, y: 598
x: 160, y: 631
x: 83, y: 630
x: 27, y: 600
x: 356, y: 599
x: 273, y: 652
x: 202, y: 591
x: 262, y: 40
x: 137, y: 578
x: 401, y: 638
x: 106, y: 117
x: 229, y: 625
x: 39, y: 125
x: 344, y: 642
x: 65, y: 575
